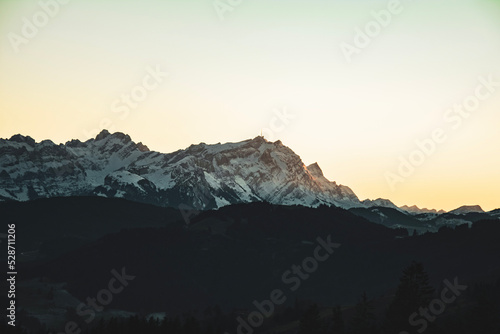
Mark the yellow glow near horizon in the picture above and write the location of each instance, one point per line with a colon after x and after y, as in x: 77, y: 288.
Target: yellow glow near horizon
x: 228, y: 78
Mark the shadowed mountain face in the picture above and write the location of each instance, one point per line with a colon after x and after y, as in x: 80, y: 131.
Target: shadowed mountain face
x: 201, y: 176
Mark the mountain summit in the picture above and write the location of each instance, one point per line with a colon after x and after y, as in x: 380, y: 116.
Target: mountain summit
x: 201, y: 176
x: 467, y: 209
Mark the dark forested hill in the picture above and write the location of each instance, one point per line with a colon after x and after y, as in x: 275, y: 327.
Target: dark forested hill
x: 237, y: 254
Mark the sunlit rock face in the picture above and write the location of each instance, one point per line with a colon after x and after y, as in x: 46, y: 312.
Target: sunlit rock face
x: 201, y: 176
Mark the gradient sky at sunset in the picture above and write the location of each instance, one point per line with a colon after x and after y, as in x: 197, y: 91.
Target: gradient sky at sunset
x: 227, y: 79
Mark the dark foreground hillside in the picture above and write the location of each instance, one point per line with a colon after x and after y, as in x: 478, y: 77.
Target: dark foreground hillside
x: 221, y: 262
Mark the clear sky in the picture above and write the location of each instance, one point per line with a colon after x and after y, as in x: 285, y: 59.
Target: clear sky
x: 356, y: 105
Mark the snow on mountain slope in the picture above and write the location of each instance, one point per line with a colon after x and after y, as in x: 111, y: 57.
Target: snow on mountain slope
x: 202, y: 176
x: 466, y: 209
x: 416, y: 210
x: 381, y: 202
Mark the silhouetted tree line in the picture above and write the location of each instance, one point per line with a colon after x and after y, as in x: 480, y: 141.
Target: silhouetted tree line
x: 475, y: 310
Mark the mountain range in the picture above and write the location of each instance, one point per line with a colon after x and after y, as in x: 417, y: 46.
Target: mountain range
x: 200, y: 177
x: 84, y: 209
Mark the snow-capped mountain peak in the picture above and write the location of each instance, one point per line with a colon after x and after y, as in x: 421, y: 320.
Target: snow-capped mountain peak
x: 416, y: 210
x: 315, y: 170
x: 467, y: 209
x: 202, y: 176
x: 382, y: 202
